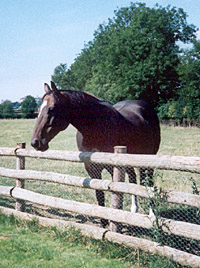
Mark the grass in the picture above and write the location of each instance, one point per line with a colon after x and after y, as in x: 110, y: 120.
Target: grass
x: 174, y: 141
x: 29, y: 245
x: 42, y: 242
x: 20, y: 130
x: 180, y: 141
x: 26, y: 244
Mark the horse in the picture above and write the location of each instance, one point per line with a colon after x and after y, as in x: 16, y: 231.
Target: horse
x: 100, y: 127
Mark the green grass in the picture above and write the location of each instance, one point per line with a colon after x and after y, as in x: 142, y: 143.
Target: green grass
x: 180, y: 141
x: 13, y: 131
x: 174, y: 141
x: 28, y: 245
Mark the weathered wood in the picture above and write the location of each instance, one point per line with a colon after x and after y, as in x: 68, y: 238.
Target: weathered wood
x: 98, y: 233
x: 20, y: 165
x: 166, y: 195
x: 116, y: 197
x: 104, y: 185
x: 56, y: 178
x: 185, y: 259
x: 5, y: 190
x: 180, y: 163
x: 187, y: 230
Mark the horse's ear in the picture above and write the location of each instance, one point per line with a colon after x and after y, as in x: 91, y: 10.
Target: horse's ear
x: 55, y: 90
x: 47, y: 88
x: 53, y: 86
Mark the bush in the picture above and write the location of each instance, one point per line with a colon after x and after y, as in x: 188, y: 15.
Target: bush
x: 28, y: 107
x: 179, y: 109
x: 6, y: 110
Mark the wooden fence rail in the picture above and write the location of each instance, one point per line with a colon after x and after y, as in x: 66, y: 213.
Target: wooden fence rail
x: 168, y: 226
x: 180, y: 163
x: 188, y: 230
x: 104, y: 185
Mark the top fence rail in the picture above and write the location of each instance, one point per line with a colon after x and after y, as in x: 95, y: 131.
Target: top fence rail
x: 167, y: 162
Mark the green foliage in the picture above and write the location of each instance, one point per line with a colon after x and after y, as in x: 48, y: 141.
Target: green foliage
x: 6, y: 109
x: 189, y: 72
x: 62, y: 77
x: 134, y: 56
x: 180, y: 109
x: 28, y: 107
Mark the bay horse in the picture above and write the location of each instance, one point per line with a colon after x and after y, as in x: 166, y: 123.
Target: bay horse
x: 100, y: 126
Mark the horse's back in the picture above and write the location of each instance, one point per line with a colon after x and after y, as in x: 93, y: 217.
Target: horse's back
x: 131, y: 109
x: 143, y: 119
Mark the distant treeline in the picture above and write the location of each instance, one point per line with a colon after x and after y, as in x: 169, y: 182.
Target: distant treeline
x: 139, y: 54
x: 26, y: 109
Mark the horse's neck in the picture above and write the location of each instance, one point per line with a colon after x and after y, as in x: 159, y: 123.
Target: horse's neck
x: 89, y: 116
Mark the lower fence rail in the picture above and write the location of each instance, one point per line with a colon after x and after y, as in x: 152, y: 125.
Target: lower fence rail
x: 185, y: 229
x: 98, y: 233
x: 136, y: 219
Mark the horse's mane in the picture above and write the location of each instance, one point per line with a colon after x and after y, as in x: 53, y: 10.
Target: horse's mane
x: 83, y: 98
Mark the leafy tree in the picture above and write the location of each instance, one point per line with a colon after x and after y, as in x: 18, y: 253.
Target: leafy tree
x: 134, y: 56
x: 28, y: 107
x: 62, y: 77
x: 138, y: 53
x: 189, y: 73
x: 6, y: 109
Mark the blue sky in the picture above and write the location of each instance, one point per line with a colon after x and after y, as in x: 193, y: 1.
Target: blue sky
x: 38, y: 35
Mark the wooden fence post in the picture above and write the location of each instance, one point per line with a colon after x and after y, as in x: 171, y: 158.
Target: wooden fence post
x: 20, y: 164
x: 117, y: 198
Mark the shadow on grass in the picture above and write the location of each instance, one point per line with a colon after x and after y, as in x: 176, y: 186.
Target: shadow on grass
x: 7, y: 202
x: 191, y: 215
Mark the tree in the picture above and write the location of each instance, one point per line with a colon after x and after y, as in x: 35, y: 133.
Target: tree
x: 137, y: 52
x: 6, y: 109
x: 134, y: 56
x: 28, y: 107
x: 189, y: 72
x: 61, y: 77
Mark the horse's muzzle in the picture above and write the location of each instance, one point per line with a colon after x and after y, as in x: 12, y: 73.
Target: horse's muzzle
x: 39, y: 145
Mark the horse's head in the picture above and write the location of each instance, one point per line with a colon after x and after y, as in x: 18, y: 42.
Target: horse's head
x: 51, y: 119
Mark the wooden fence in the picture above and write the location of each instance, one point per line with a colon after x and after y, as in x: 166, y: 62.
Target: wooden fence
x: 117, y: 188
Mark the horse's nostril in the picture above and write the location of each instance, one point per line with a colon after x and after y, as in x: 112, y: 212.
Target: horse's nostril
x: 35, y: 143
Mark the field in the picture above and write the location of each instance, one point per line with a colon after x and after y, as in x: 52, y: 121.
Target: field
x: 175, y: 141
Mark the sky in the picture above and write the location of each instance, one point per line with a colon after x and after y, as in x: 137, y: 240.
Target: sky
x: 38, y: 35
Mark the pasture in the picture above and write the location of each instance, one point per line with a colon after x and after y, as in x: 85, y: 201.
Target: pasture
x: 29, y: 245
x: 175, y: 141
